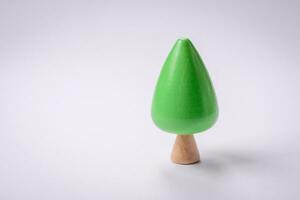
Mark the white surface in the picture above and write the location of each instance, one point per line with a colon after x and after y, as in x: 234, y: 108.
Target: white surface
x: 76, y: 82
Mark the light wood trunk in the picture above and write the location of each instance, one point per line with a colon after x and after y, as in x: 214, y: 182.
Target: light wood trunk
x: 185, y: 150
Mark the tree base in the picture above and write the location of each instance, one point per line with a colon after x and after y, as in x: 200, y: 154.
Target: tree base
x: 185, y: 150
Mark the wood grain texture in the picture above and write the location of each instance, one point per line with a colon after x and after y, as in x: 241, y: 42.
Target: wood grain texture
x: 185, y: 150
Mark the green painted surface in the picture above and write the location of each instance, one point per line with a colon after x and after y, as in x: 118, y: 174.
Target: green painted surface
x: 184, y: 100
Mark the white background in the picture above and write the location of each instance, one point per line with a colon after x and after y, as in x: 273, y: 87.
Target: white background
x: 76, y: 84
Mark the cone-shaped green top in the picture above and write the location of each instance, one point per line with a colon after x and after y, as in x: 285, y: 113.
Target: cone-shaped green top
x: 184, y: 101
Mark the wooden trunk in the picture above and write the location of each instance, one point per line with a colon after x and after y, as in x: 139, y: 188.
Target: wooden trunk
x: 185, y: 150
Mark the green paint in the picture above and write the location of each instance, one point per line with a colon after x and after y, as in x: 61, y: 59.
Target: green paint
x: 184, y: 100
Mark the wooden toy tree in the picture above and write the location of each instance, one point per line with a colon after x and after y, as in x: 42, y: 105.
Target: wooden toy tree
x: 184, y: 100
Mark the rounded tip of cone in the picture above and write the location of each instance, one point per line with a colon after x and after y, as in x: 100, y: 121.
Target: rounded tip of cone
x: 183, y: 39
